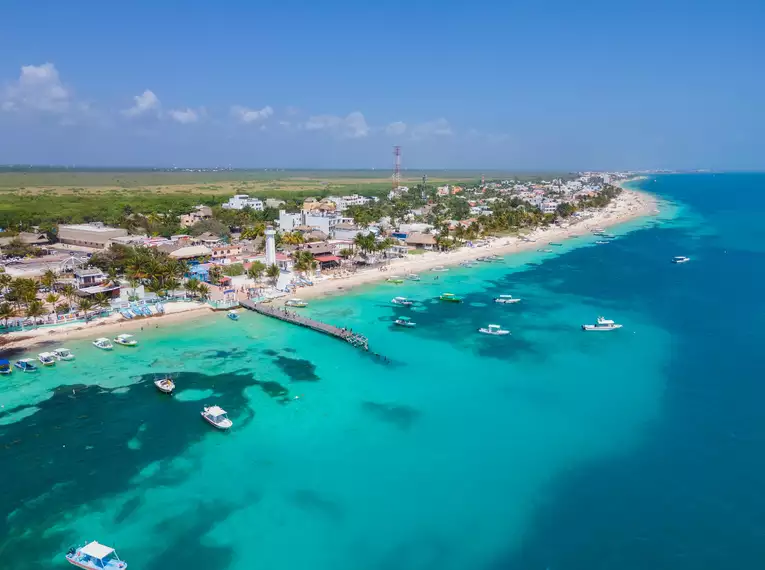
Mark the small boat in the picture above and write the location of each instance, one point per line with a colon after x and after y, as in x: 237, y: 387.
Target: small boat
x: 233, y: 315
x: 493, y: 257
x: 413, y: 277
x: 5, y: 367
x: 126, y: 340
x: 555, y: 243
x: 395, y: 279
x: 601, y: 242
x: 467, y: 264
x: 545, y: 250
x: 165, y: 385
x: 680, y: 259
x: 95, y: 556
x: 401, y: 301
x: 103, y: 343
x: 608, y: 236
x: 405, y: 322
x: 25, y: 365
x: 296, y: 303
x: 494, y: 330
x: 440, y: 269
x: 63, y: 354
x: 602, y: 325
x: 506, y: 300
x: 47, y: 358
x: 450, y: 298
x: 217, y: 417
x: 482, y: 259
x: 598, y: 230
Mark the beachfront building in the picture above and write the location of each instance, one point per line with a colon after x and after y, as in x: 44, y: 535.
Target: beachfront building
x: 200, y: 213
x: 346, y: 231
x: 322, y: 220
x: 93, y: 235
x: 421, y: 241
x: 242, y: 201
x: 225, y: 253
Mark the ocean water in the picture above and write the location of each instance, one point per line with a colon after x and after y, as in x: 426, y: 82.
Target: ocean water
x: 549, y: 448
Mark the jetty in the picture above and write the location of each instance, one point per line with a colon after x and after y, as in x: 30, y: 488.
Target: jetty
x: 283, y: 314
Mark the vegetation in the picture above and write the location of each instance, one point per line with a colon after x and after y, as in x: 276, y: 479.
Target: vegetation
x: 233, y: 269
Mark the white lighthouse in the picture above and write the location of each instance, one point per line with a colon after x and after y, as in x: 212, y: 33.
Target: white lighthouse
x: 270, y: 246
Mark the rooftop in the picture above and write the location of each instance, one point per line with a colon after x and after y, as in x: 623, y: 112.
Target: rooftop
x: 87, y: 227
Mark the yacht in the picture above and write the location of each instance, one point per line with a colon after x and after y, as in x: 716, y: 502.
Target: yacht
x: 47, y: 358
x: 217, y: 417
x: 680, y: 259
x: 25, y: 365
x: 233, y: 315
x: 507, y: 300
x: 401, y: 301
x: 413, y: 277
x: 126, y: 340
x: 440, y: 269
x: 494, y: 330
x: 63, y: 354
x: 165, y: 385
x: 95, y: 556
x: 296, y: 303
x: 103, y: 343
x: 405, y: 322
x: 5, y: 367
x: 602, y: 325
x: 450, y: 298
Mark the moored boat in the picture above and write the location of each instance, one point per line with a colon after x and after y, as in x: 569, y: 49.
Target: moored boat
x: 413, y: 277
x: 603, y: 324
x: 506, y: 300
x: 405, y: 322
x: 440, y: 269
x: 494, y: 330
x: 680, y: 259
x: 63, y: 354
x: 296, y: 303
x: 401, y: 301
x: 450, y: 298
x: 95, y: 556
x: 601, y: 242
x: 494, y: 258
x: 233, y: 315
x: 5, y: 367
x: 47, y: 358
x: 165, y: 385
x: 216, y: 416
x: 395, y: 279
x: 555, y: 243
x: 126, y: 340
x: 25, y: 365
x: 103, y: 343
x: 545, y: 250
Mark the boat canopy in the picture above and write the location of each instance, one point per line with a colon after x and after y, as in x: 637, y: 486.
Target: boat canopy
x: 216, y: 411
x: 404, y: 319
x: 96, y: 550
x: 102, y: 339
x: 125, y: 336
x: 505, y: 296
x: 4, y: 363
x: 493, y: 326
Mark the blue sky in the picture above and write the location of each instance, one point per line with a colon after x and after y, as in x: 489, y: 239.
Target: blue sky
x: 334, y: 84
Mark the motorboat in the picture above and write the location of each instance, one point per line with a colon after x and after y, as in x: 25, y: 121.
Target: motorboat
x: 601, y: 242
x: 450, y: 298
x: 5, y: 367
x: 482, y: 259
x: 680, y: 259
x: 598, y: 230
x: 440, y: 269
x: 602, y: 325
x: 555, y: 243
x: 25, y: 365
x: 47, y: 358
x: 63, y: 354
x: 296, y: 303
x: 401, y: 301
x: 126, y: 340
x: 467, y: 264
x: 95, y: 556
x: 103, y: 343
x: 506, y: 300
x: 395, y: 279
x: 165, y: 385
x: 233, y: 315
x: 405, y: 322
x: 217, y: 417
x: 413, y: 277
x: 545, y: 250
x: 493, y: 257
x: 494, y: 330
x: 608, y: 236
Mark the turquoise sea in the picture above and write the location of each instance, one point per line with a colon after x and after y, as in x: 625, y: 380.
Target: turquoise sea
x: 548, y: 449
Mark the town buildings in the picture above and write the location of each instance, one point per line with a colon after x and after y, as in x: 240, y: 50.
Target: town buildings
x: 242, y: 201
x: 93, y: 235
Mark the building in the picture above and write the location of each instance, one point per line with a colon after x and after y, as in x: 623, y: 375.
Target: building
x: 346, y: 231
x: 225, y: 251
x: 191, y: 252
x: 270, y: 246
x: 200, y: 213
x: 548, y: 206
x: 242, y: 201
x: 342, y: 203
x: 421, y: 241
x: 315, y: 219
x: 95, y: 235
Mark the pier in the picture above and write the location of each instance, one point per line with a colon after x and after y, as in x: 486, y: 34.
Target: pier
x: 283, y: 314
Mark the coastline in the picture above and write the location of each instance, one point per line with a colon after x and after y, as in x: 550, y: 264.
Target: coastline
x: 627, y: 206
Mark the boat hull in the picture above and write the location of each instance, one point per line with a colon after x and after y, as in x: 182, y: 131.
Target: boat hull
x: 592, y: 328
x: 163, y: 388
x: 222, y: 427
x: 405, y: 325
x: 498, y: 333
x: 507, y: 301
x: 112, y: 565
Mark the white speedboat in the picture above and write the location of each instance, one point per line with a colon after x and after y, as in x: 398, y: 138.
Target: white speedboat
x: 507, y: 300
x: 25, y: 365
x: 680, y: 259
x: 217, y: 417
x: 494, y: 330
x: 126, y: 340
x: 405, y: 322
x: 296, y: 303
x: 47, y: 358
x: 165, y: 385
x: 467, y: 264
x: 95, y: 556
x: 440, y: 269
x: 602, y: 325
x: 413, y: 277
x: 601, y: 242
x: 598, y: 230
x: 401, y: 301
x: 103, y: 343
x: 63, y: 354
x: 493, y: 257
x: 545, y: 250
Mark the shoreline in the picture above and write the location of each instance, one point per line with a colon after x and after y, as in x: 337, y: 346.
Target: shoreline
x: 629, y: 205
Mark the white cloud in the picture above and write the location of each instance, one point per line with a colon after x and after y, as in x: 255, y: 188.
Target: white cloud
x: 145, y: 102
x: 185, y: 116
x: 437, y: 128
x: 245, y: 115
x: 353, y: 126
x: 38, y: 88
x: 395, y: 129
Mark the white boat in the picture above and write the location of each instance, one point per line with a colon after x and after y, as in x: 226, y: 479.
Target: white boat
x: 25, y: 365
x: 165, y: 385
x: 405, y: 322
x: 598, y: 230
x: 440, y: 269
x: 493, y: 257
x: 47, y: 358
x: 413, y: 277
x: 63, y: 354
x: 401, y: 301
x: 126, y: 340
x: 494, y: 330
x: 217, y: 417
x: 602, y: 325
x: 507, y: 300
x: 103, y: 343
x: 95, y: 556
x: 297, y: 303
x: 601, y: 242
x: 467, y: 264
x: 680, y: 259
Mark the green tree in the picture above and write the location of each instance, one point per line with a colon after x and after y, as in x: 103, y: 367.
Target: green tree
x: 101, y: 301
x: 204, y: 291
x: 273, y: 272
x: 48, y: 278
x: 304, y: 260
x: 85, y: 305
x: 52, y: 299
x: 212, y: 226
x: 233, y: 269
x: 215, y: 274
x: 192, y: 286
x: 6, y: 312
x: 35, y: 309
x: 256, y: 271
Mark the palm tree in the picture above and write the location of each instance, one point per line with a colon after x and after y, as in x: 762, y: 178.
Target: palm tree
x: 52, y: 299
x: 346, y: 253
x: 6, y: 312
x: 215, y: 274
x: 5, y: 281
x: 100, y: 300
x: 256, y: 270
x: 48, y: 278
x: 155, y: 286
x: 204, y: 291
x: 112, y: 274
x: 69, y: 292
x: 85, y: 305
x: 35, y: 309
x: 273, y: 273
x: 171, y: 284
x: 192, y: 286
x: 304, y: 260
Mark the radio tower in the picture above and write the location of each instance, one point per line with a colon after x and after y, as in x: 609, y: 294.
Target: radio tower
x: 396, y: 167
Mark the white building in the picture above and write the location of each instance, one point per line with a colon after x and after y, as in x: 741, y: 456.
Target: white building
x: 343, y: 202
x: 323, y: 221
x: 242, y: 201
x: 548, y: 206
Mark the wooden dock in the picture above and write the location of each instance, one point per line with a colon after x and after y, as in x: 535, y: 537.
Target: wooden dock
x: 284, y: 314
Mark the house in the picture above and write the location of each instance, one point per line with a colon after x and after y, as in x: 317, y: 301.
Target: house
x: 421, y: 241
x: 94, y: 235
x: 346, y: 231
x: 200, y: 213
x: 208, y: 239
x: 27, y: 238
x: 242, y: 201
x: 274, y: 203
x: 343, y: 202
x: 316, y: 218
x: 225, y: 251
x: 88, y: 277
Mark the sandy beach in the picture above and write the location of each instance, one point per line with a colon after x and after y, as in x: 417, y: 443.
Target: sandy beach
x: 627, y: 206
